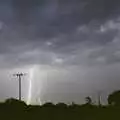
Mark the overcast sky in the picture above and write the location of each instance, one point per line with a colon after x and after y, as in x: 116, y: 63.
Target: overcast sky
x: 71, y: 46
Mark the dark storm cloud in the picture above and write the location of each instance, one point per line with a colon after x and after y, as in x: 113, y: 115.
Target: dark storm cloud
x: 76, y: 41
x: 64, y: 24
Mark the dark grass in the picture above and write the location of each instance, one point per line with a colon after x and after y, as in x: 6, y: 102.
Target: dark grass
x: 17, y: 110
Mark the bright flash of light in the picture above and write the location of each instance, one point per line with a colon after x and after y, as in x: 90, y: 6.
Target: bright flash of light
x: 31, y: 76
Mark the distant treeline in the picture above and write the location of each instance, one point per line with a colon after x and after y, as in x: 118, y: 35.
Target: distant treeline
x: 13, y: 109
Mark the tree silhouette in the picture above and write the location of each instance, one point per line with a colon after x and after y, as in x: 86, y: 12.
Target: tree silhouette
x: 88, y: 100
x: 114, y: 98
x: 17, y: 110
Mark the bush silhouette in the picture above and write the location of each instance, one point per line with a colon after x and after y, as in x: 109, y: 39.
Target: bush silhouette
x: 15, y: 102
x: 114, y: 98
x: 61, y: 105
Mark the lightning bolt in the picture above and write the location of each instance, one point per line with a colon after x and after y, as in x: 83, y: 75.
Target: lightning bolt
x: 32, y: 72
x: 31, y: 75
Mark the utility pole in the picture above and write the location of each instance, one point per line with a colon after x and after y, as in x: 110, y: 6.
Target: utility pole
x: 99, y: 98
x: 19, y: 75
